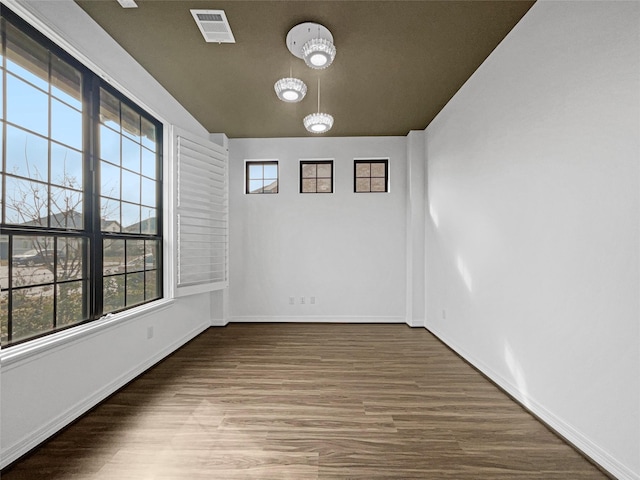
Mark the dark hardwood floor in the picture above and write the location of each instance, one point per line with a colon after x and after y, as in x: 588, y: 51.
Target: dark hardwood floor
x: 308, y: 401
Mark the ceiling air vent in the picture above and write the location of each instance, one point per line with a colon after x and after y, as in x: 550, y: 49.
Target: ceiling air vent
x: 214, y: 25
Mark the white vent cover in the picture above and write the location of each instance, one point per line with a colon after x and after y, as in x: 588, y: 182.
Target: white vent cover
x: 214, y: 25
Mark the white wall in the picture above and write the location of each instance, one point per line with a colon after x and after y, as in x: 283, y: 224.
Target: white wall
x: 533, y: 237
x: 49, y: 382
x: 346, y: 249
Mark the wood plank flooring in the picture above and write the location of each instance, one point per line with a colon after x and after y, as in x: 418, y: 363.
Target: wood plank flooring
x: 307, y: 401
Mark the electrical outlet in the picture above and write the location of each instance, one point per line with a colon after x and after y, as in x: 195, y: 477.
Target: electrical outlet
x: 302, y: 301
x: 292, y: 301
x: 444, y: 314
x: 150, y: 332
x: 312, y: 300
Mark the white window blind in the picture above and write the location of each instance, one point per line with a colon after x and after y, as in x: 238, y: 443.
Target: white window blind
x: 202, y: 209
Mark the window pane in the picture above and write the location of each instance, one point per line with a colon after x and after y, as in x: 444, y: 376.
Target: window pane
x: 309, y: 170
x: 109, y: 180
x: 71, y: 255
x: 66, y: 124
x: 109, y: 110
x: 66, y: 208
x: 378, y: 170
x: 148, y: 163
x: 363, y: 185
x: 113, y: 293
x: 109, y: 145
x: 110, y: 215
x: 27, y: 154
x: 4, y: 317
x: 66, y: 166
x: 1, y: 90
x: 324, y: 170
x: 130, y: 187
x: 270, y: 171
x: 32, y: 311
x: 113, y: 256
x: 148, y: 192
x: 66, y: 82
x: 27, y: 58
x: 151, y: 255
x: 255, y: 171
x: 255, y: 186
x: 378, y: 185
x: 135, y: 288
x: 309, y: 185
x: 130, y: 218
x: 149, y: 224
x: 135, y: 255
x: 130, y: 123
x: 363, y: 169
x: 32, y: 260
x: 4, y: 261
x: 27, y: 106
x: 70, y: 303
x: 324, y: 185
x: 151, y: 285
x: 130, y: 155
x: 271, y: 187
x: 26, y: 202
x: 148, y: 134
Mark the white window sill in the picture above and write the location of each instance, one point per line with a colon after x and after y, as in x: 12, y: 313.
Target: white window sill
x: 37, y: 347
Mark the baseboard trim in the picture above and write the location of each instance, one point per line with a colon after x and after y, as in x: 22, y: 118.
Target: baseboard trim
x: 315, y: 319
x: 590, y: 450
x: 415, y: 322
x: 14, y: 452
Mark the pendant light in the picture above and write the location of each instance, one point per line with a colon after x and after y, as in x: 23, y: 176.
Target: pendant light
x: 318, y: 122
x: 290, y: 89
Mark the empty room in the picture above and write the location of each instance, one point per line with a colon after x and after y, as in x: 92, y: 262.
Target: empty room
x: 319, y: 239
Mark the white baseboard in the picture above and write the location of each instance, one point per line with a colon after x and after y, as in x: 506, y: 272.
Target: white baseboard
x: 315, y: 319
x: 219, y: 322
x: 415, y: 322
x: 567, y: 431
x: 15, y: 451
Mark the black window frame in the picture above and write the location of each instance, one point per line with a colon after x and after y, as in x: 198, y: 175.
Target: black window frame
x: 316, y: 177
x: 91, y: 230
x: 250, y: 163
x: 359, y: 161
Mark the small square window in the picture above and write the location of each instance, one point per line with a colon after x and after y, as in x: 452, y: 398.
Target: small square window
x: 370, y: 176
x: 262, y: 177
x: 316, y: 176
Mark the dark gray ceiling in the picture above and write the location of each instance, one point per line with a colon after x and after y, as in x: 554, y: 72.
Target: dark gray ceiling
x: 397, y: 64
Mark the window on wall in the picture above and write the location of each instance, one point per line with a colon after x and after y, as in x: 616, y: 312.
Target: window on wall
x: 316, y: 176
x: 262, y: 177
x: 79, y: 239
x: 371, y: 176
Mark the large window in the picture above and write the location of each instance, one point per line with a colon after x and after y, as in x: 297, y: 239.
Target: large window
x: 80, y: 192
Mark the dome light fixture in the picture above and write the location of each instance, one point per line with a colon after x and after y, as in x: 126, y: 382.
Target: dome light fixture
x: 318, y: 122
x: 313, y: 43
x: 290, y: 90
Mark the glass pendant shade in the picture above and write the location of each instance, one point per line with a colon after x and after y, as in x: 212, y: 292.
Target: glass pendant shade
x: 318, y: 53
x: 318, y: 122
x: 290, y: 90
